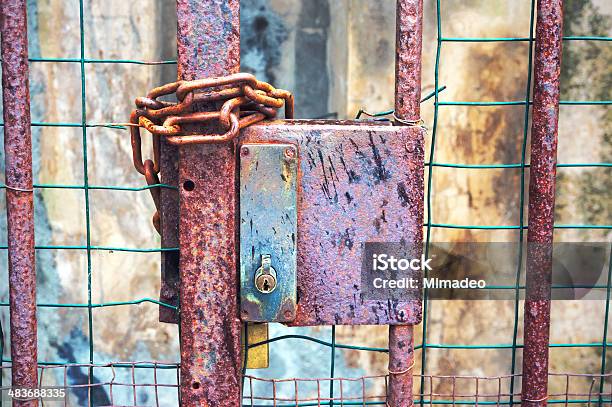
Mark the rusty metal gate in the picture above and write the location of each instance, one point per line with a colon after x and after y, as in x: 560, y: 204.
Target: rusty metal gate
x: 334, y: 172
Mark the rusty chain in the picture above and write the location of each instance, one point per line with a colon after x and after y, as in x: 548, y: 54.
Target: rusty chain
x: 242, y: 100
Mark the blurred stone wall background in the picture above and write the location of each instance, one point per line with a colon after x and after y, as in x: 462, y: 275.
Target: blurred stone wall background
x: 336, y: 56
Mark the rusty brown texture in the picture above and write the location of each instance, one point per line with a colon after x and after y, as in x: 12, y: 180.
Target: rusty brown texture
x: 547, y: 70
x: 401, y: 363
x: 208, y: 46
x: 247, y: 102
x: 357, y: 184
x: 408, y: 48
x: 19, y: 195
x: 169, y: 221
x: 408, y: 45
x: 208, y: 38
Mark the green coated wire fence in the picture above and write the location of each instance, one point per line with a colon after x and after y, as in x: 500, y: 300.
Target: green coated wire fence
x: 520, y: 226
x: 510, y: 382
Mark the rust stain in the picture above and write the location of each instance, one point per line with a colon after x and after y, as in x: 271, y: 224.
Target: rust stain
x: 19, y: 195
x: 401, y: 363
x: 409, y: 39
x: 208, y: 46
x: 365, y: 163
x: 169, y: 220
x: 408, y: 44
x: 544, y: 132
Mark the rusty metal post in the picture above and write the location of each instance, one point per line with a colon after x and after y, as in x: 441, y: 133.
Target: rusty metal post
x: 169, y: 221
x: 208, y: 46
x: 547, y: 70
x: 409, y: 37
x: 408, y: 46
x: 19, y: 195
x: 401, y: 362
x: 169, y: 212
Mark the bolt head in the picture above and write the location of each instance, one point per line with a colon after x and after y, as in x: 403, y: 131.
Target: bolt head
x: 244, y: 151
x: 290, y: 153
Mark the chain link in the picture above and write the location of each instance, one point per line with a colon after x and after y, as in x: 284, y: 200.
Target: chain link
x: 242, y: 100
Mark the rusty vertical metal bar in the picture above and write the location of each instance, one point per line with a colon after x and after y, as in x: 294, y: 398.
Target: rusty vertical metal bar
x: 408, y: 46
x: 401, y: 362
x: 547, y: 70
x: 168, y: 205
x: 169, y: 221
x: 19, y: 195
x: 208, y: 45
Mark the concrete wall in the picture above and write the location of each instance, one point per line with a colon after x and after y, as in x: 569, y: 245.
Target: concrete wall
x: 336, y: 56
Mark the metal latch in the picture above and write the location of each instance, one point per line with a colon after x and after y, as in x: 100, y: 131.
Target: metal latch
x: 268, y: 232
x: 255, y: 349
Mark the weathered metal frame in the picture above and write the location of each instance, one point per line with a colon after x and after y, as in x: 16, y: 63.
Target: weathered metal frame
x: 542, y: 179
x: 210, y: 334
x: 19, y: 195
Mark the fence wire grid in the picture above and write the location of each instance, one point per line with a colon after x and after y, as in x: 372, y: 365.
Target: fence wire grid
x: 465, y: 390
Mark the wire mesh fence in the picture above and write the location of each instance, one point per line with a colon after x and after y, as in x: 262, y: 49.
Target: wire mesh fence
x: 455, y: 390
x: 149, y: 383
x: 121, y: 383
x: 522, y: 164
x: 131, y: 382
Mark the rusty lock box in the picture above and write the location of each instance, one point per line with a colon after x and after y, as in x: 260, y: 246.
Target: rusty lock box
x: 312, y: 193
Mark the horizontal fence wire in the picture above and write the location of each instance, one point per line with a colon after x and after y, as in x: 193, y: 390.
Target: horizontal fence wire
x: 127, y: 383
x: 335, y: 387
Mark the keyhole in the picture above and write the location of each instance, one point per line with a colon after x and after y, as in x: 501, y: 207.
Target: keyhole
x: 266, y: 286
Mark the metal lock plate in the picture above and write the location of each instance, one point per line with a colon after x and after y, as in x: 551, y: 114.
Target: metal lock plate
x: 268, y: 232
x: 357, y: 182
